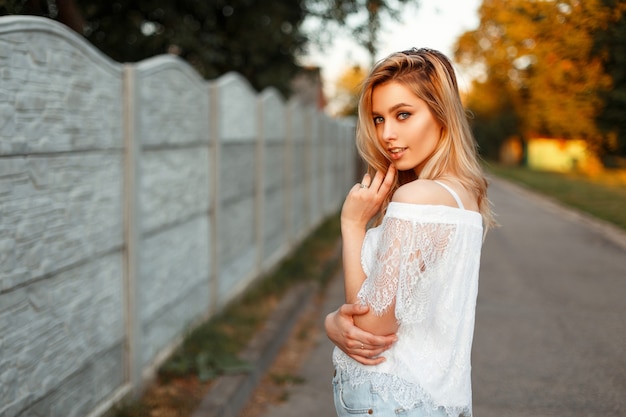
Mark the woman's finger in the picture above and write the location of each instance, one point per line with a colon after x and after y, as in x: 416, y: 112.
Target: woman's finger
x: 349, y: 310
x: 382, y: 342
x: 358, y: 337
x: 383, y: 181
x: 367, y: 181
x: 366, y: 360
x: 370, y: 351
x: 388, y: 179
x: 377, y: 181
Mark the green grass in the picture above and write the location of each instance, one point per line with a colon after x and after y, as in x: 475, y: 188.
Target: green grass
x: 286, y: 379
x: 602, y: 196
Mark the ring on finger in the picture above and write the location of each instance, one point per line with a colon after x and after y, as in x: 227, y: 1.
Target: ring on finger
x: 364, y: 186
x: 361, y: 346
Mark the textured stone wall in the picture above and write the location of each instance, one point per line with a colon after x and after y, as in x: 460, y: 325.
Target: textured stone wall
x: 61, y: 228
x: 273, y: 222
x: 174, y: 249
x: 136, y: 201
x: 238, y: 175
x: 300, y: 188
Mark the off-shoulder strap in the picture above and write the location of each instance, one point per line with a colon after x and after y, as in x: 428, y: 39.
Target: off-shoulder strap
x: 454, y: 194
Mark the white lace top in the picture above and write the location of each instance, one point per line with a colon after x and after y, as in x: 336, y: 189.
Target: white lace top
x: 425, y: 258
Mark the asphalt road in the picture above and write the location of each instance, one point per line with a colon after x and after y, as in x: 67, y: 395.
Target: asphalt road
x: 550, y: 336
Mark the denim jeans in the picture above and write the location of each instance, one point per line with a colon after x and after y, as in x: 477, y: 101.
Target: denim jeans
x: 363, y: 400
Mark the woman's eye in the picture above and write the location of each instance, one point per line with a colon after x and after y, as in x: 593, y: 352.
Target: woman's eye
x: 378, y: 120
x: 403, y: 115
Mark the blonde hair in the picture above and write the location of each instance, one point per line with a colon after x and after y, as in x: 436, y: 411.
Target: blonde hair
x: 430, y: 75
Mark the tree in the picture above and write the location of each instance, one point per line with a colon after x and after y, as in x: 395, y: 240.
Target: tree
x: 64, y: 11
x: 260, y: 39
x: 360, y: 19
x: 348, y: 90
x: 542, y: 51
x: 610, y: 44
x: 493, y: 116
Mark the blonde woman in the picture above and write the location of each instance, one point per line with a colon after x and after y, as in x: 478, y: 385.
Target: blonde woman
x: 404, y: 336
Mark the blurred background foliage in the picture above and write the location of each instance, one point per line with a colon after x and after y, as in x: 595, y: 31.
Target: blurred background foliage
x: 348, y: 89
x: 548, y: 69
x: 260, y: 39
x: 540, y: 69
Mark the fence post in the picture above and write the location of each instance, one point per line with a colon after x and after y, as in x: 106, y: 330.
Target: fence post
x: 259, y: 185
x: 132, y: 360
x: 214, y: 174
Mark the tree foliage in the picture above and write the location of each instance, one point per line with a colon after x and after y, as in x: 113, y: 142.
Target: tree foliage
x: 257, y: 38
x: 348, y: 88
x: 542, y: 54
x: 359, y: 19
x: 260, y: 39
x: 611, y: 44
x: 493, y: 115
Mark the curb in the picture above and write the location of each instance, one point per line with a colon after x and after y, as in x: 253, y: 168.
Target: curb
x: 231, y: 393
x: 611, y: 232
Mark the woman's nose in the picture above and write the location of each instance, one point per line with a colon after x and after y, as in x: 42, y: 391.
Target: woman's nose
x: 389, y: 132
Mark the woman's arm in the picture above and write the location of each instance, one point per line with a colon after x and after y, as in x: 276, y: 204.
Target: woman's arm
x: 399, y: 258
x: 363, y: 202
x: 360, y: 345
x: 381, y: 288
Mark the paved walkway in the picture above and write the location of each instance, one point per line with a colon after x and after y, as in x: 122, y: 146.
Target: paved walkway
x: 314, y: 398
x: 551, y: 319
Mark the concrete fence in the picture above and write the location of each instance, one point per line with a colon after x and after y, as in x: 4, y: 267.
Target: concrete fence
x: 135, y: 201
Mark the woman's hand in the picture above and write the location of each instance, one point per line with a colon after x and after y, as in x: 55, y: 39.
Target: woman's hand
x: 360, y: 345
x: 364, y: 200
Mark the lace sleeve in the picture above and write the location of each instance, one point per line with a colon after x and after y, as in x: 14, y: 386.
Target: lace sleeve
x: 406, y: 252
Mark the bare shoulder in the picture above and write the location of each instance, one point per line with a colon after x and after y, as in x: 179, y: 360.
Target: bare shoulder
x: 431, y: 193
x: 423, y: 192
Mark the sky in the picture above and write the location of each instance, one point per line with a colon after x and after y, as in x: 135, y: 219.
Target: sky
x: 435, y: 24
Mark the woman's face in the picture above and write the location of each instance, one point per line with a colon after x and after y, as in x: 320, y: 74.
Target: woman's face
x: 404, y: 125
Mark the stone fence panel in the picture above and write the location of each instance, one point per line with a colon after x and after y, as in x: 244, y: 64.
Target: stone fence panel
x: 61, y: 229
x: 172, y: 128
x: 273, y: 234
x: 136, y: 200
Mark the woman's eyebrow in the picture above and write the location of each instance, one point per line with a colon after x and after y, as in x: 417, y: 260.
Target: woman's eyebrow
x: 397, y: 106
x: 393, y: 108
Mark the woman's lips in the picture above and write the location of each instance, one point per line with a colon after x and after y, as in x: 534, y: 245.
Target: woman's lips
x: 396, y: 153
